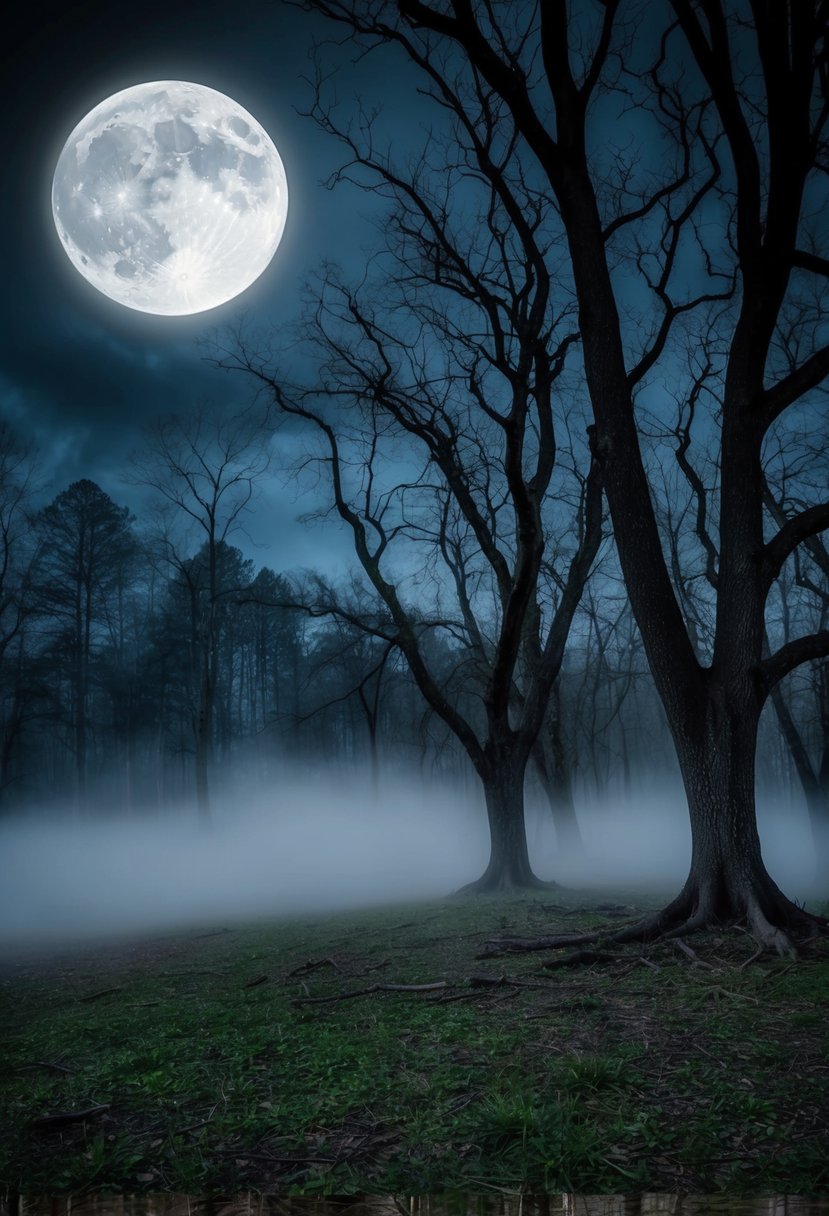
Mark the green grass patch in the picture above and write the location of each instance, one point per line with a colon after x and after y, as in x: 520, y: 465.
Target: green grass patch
x: 209, y: 1062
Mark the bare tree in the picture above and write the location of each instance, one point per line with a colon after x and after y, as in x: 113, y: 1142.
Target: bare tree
x: 204, y: 468
x: 733, y: 99
x: 435, y: 411
x: 347, y: 667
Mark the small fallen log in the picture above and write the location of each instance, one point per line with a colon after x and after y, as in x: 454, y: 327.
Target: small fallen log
x: 71, y: 1116
x: 521, y: 945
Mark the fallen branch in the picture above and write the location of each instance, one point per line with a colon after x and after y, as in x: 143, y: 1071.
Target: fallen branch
x: 521, y: 945
x: 348, y: 996
x: 70, y: 1116
x: 94, y: 996
x: 254, y: 983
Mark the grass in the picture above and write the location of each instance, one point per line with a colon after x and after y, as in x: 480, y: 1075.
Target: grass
x: 654, y: 1072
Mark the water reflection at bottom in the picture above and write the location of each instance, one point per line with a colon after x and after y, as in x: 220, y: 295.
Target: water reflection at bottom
x: 451, y: 1204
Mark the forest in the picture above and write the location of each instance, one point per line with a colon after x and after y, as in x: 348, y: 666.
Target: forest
x: 136, y: 650
x: 570, y: 421
x: 566, y: 419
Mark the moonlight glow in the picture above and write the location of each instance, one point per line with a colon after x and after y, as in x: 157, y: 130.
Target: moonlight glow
x: 169, y: 198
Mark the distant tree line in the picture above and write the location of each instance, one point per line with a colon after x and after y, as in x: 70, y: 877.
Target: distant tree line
x: 111, y: 628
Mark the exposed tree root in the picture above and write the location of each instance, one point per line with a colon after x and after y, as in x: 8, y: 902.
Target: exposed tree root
x: 504, y: 884
x: 776, y: 923
x: 691, y: 954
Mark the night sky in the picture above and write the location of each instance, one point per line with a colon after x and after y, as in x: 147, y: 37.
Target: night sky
x: 80, y: 374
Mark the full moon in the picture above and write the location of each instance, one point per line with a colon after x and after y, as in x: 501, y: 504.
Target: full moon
x: 169, y: 198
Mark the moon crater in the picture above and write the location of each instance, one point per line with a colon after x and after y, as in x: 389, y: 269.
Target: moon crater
x: 170, y: 198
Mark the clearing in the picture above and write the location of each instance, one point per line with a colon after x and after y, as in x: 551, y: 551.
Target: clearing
x: 281, y: 1058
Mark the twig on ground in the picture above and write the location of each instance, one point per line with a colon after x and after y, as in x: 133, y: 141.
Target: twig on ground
x: 254, y: 983
x: 47, y: 1064
x: 93, y: 996
x: 314, y: 965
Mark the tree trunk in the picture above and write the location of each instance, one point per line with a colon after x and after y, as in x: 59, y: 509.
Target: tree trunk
x: 509, y: 866
x: 728, y: 879
x: 817, y: 805
x: 553, y: 769
x: 814, y: 789
x: 203, y: 738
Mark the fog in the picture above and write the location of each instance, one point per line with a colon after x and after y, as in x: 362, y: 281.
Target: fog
x: 326, y: 846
